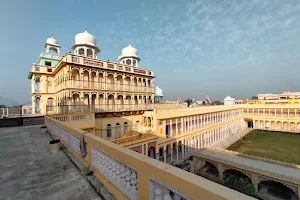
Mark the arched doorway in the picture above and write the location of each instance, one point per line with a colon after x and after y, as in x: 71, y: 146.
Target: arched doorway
x: 110, y: 102
x: 118, y: 130
x: 37, y: 105
x: 250, y: 124
x: 208, y: 170
x: 110, y: 82
x: 269, y: 189
x: 151, y: 152
x: 120, y: 103
x: 86, y: 79
x: 119, y: 82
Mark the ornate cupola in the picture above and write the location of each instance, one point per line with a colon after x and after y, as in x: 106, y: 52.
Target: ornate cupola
x: 85, y: 45
x: 129, y: 56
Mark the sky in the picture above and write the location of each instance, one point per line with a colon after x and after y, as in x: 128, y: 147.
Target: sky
x: 196, y: 48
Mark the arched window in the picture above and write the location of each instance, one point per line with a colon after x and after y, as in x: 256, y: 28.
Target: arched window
x: 81, y: 52
x: 125, y: 127
x: 90, y: 53
x: 118, y: 130
x: 108, y: 131
x: 53, y: 50
x: 128, y: 62
x: 134, y: 62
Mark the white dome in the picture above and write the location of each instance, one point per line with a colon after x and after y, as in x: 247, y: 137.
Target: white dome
x: 129, y: 51
x: 229, y: 98
x: 85, y: 39
x: 52, y: 41
x: 158, y: 92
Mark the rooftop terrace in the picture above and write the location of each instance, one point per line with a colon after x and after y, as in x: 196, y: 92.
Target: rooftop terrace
x: 28, y: 169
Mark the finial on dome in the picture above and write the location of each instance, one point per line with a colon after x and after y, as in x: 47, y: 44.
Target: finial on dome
x: 85, y: 29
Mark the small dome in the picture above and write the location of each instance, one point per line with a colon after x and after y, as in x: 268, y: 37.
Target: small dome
x: 85, y: 38
x: 129, y: 51
x: 158, y: 92
x: 229, y: 98
x: 52, y: 41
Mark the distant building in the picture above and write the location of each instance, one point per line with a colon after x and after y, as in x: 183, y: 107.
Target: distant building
x: 284, y: 98
x: 158, y: 96
x: 229, y: 101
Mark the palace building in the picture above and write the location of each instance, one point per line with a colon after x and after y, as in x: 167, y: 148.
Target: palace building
x: 100, y: 109
x: 67, y: 81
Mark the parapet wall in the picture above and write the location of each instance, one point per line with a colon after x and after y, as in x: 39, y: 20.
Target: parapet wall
x: 130, y: 175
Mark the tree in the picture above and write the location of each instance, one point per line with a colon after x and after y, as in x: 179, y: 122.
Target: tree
x: 240, y: 184
x: 217, y: 103
x: 254, y: 98
x: 188, y: 101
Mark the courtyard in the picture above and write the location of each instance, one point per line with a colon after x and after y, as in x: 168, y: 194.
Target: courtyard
x: 273, y: 145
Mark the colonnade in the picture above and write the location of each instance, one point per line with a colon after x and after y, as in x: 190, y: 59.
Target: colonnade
x: 186, y: 146
x: 177, y: 126
x: 272, y: 112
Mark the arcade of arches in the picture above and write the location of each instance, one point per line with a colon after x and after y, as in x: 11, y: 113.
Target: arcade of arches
x: 267, y: 184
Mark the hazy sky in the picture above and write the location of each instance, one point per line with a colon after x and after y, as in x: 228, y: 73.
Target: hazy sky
x: 216, y: 48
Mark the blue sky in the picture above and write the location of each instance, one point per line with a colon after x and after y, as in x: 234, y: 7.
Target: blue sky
x: 217, y: 48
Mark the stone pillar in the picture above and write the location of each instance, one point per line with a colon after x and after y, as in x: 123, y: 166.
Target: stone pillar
x: 146, y: 149
x: 221, y: 170
x: 177, y: 151
x: 182, y: 148
x: 165, y: 153
x: 171, y: 153
x: 198, y: 141
x: 255, y: 182
x: 201, y: 116
x: 176, y: 126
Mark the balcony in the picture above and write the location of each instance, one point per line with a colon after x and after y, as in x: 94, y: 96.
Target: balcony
x: 97, y: 108
x: 95, y: 85
x: 51, y: 56
x: 103, y: 64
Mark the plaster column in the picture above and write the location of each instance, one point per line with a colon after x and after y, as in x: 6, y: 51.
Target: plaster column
x: 183, y: 125
x: 198, y: 141
x: 182, y: 148
x: 170, y: 125
x: 201, y: 125
x: 275, y: 113
x: 165, y: 153
x: 171, y: 153
x: 210, y: 119
x: 146, y: 149
x: 176, y: 126
x: 255, y: 182
x: 221, y: 170
x: 281, y: 113
x: 177, y: 151
x: 188, y: 147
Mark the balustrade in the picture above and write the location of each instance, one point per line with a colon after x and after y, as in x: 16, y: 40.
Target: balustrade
x: 117, y: 172
x: 96, y: 85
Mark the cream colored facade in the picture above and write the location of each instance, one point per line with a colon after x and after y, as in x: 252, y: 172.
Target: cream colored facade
x: 62, y: 83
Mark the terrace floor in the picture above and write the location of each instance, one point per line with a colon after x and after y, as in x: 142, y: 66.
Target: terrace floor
x: 28, y: 170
